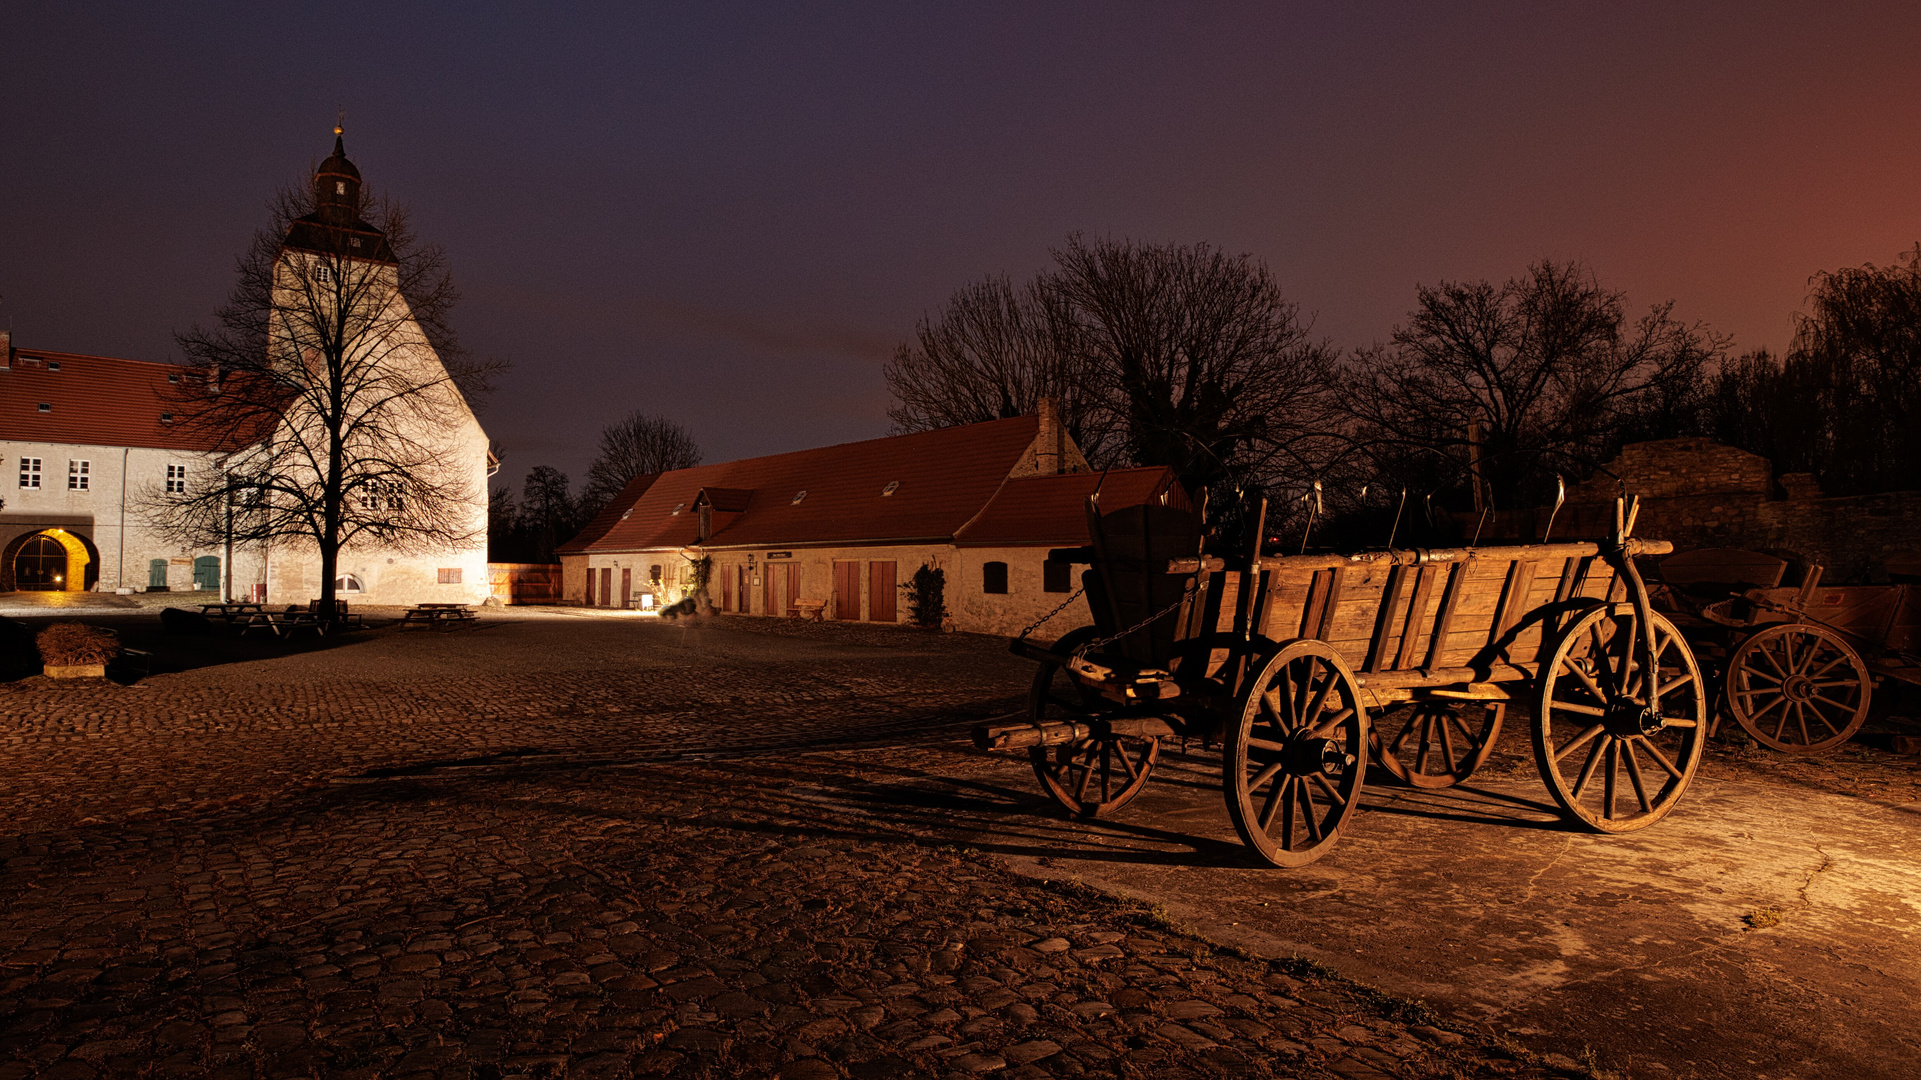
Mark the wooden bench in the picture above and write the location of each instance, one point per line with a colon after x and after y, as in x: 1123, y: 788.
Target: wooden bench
x: 810, y: 610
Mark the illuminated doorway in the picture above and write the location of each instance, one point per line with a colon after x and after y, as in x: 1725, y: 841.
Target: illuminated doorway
x: 53, y: 561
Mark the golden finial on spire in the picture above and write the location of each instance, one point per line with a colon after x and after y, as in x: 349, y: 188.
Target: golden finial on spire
x: 340, y: 121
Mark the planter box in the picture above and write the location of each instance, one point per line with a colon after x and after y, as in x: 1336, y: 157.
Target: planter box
x: 76, y: 671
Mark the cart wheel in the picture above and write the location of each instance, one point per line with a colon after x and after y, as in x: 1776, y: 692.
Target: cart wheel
x: 1436, y: 745
x: 1798, y: 688
x: 1293, y: 765
x: 1094, y: 777
x: 1594, y: 726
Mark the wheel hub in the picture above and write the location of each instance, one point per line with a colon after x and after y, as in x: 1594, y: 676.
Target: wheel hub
x: 1307, y: 756
x: 1798, y: 688
x: 1632, y: 718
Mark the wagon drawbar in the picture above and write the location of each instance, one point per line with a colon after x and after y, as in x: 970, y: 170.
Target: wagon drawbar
x: 1284, y: 660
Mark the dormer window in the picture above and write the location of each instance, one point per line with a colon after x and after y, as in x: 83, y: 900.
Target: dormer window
x: 53, y: 365
x: 798, y: 496
x: 166, y: 418
x: 46, y: 406
x: 173, y: 378
x: 340, y: 187
x: 627, y: 513
x: 678, y: 509
x: 354, y: 240
x: 889, y: 489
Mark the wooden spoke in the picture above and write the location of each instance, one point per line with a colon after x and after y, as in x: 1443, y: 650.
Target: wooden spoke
x: 1594, y: 755
x: 1578, y: 741
x: 1067, y: 771
x: 1440, y: 743
x: 1634, y: 776
x: 1590, y: 754
x: 1782, y: 674
x: 1292, y: 792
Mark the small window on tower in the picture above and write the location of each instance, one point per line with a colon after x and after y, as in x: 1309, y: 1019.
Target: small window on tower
x: 340, y: 187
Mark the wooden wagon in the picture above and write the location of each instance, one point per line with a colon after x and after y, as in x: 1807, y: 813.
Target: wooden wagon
x: 1281, y: 660
x: 1797, y: 665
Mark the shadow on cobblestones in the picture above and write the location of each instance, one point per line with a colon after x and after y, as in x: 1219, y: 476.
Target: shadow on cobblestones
x: 686, y: 920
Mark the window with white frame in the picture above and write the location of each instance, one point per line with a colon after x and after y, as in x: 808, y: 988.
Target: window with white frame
x: 176, y: 479
x: 383, y: 495
x: 79, y: 476
x: 30, y: 472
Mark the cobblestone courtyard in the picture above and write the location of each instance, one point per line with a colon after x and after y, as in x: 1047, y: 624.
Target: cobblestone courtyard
x: 593, y: 847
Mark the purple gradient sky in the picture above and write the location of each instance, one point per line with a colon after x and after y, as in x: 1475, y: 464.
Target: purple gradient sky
x: 730, y: 215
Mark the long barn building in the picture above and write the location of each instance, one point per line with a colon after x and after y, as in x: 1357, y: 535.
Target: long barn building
x: 839, y: 530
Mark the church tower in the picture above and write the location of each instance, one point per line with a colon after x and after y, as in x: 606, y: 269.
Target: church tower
x: 336, y: 226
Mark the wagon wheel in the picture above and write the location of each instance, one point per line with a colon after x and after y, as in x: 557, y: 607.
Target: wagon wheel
x: 1613, y: 762
x: 1293, y: 764
x: 1798, y: 688
x: 1092, y: 777
x: 1434, y: 744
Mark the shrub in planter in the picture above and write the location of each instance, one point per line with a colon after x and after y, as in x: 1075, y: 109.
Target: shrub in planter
x: 77, y: 649
x: 685, y: 606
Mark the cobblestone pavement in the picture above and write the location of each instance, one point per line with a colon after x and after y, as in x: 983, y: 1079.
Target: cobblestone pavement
x: 588, y: 848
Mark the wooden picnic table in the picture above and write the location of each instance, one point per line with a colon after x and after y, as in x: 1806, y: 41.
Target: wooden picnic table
x: 443, y: 615
x: 284, y: 623
x: 232, y: 610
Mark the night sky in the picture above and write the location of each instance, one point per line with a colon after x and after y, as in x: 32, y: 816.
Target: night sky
x: 731, y: 215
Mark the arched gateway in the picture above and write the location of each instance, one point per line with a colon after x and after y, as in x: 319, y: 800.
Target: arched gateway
x: 52, y: 560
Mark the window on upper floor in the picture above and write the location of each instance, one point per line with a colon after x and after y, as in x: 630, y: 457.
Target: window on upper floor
x: 30, y: 472
x: 994, y: 577
x: 79, y: 475
x: 176, y: 479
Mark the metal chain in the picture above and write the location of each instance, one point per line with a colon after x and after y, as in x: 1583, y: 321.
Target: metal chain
x: 1142, y: 625
x: 1037, y: 623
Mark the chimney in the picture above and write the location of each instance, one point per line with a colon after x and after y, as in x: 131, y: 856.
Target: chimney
x: 1047, y: 441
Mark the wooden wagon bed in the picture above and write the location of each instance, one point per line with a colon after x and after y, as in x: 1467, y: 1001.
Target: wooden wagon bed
x: 1280, y: 660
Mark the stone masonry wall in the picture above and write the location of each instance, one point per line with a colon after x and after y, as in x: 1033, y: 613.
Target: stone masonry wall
x: 1701, y: 494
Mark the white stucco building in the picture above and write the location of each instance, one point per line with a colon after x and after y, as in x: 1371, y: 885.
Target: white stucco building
x: 89, y: 443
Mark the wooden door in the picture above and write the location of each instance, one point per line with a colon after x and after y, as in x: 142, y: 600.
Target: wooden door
x: 746, y: 581
x: 772, y: 587
x: 846, y: 590
x: 590, y: 587
x: 881, y: 591
x: 626, y: 586
x: 606, y: 586
x: 726, y: 591
x: 793, y: 589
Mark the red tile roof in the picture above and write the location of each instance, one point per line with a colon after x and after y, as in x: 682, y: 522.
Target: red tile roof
x: 609, y: 514
x: 944, y: 478
x: 92, y: 401
x: 950, y: 484
x: 1051, y: 510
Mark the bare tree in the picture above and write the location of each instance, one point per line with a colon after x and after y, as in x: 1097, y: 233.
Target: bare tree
x: 1545, y: 368
x: 634, y: 446
x: 1203, y: 365
x: 330, y: 380
x: 1173, y: 354
x: 993, y: 353
x: 548, y: 513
